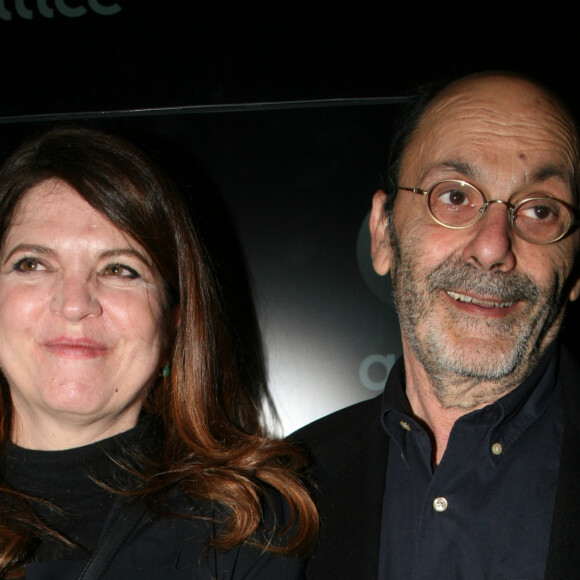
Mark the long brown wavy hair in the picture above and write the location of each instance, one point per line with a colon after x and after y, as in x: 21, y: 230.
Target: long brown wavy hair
x: 214, y: 445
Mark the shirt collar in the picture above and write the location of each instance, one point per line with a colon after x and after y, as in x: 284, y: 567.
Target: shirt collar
x: 521, y: 407
x: 507, y: 418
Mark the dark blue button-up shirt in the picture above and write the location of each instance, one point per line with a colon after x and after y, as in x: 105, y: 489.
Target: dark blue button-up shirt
x: 486, y: 510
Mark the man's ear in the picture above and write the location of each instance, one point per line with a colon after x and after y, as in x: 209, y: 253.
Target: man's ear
x: 380, y: 242
x: 574, y: 290
x: 574, y: 280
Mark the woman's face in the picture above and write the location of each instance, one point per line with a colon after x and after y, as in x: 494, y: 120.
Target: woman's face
x: 81, y: 321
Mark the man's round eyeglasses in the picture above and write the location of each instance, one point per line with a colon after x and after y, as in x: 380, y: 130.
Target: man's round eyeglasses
x: 455, y: 204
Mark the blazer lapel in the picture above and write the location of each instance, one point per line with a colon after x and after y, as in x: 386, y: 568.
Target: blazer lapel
x: 564, y: 549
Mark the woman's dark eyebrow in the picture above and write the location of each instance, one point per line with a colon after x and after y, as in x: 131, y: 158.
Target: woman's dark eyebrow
x: 46, y: 251
x: 126, y: 252
x: 33, y: 248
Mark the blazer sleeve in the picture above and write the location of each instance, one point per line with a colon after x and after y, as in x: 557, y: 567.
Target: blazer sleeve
x: 349, y: 453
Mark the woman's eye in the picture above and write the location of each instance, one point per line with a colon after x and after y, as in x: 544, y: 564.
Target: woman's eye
x: 120, y: 271
x: 28, y: 265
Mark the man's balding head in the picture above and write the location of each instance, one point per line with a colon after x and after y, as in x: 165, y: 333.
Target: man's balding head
x: 480, y: 299
x: 496, y: 86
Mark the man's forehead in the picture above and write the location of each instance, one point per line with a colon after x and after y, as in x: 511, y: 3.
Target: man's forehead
x: 480, y: 112
x: 511, y: 98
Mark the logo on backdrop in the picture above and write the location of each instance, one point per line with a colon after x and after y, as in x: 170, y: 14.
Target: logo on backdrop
x: 375, y: 368
x: 29, y: 9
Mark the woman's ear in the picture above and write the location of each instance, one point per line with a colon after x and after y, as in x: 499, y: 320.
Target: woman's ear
x: 380, y: 242
x: 175, y: 317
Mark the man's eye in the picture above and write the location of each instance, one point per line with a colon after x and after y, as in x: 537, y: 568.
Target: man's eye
x: 28, y: 265
x: 542, y: 212
x: 120, y: 271
x: 453, y: 197
x: 539, y: 212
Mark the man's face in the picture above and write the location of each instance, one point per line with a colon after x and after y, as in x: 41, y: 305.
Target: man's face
x: 478, y: 306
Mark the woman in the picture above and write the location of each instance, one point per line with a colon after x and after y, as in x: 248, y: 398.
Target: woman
x: 130, y: 443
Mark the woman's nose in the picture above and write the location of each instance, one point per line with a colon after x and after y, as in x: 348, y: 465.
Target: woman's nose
x: 74, y: 298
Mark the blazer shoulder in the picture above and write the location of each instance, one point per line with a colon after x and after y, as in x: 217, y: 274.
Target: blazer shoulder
x: 343, y: 428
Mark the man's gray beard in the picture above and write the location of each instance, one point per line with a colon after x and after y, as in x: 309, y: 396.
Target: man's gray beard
x: 467, y: 383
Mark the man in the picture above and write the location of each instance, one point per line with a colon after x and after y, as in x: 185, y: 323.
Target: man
x: 468, y: 466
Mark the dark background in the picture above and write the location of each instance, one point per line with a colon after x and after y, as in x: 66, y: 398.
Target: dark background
x: 278, y: 118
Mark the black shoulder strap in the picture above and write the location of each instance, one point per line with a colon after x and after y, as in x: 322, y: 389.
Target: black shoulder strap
x: 113, y: 540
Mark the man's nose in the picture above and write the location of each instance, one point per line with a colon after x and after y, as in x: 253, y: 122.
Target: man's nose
x: 490, y: 246
x: 74, y: 298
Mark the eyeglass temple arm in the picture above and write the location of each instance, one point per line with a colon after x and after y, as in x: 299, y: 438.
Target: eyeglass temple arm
x: 414, y: 190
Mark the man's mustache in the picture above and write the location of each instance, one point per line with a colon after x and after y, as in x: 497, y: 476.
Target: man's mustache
x: 459, y: 276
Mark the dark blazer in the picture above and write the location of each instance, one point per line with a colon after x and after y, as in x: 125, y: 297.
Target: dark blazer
x: 350, y: 448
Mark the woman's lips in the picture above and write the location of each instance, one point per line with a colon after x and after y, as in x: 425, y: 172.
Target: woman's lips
x: 75, y: 347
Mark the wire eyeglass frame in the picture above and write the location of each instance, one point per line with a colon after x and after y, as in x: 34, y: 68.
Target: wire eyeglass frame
x: 511, y: 214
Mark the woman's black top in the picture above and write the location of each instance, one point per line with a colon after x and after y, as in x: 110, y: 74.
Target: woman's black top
x: 77, y: 485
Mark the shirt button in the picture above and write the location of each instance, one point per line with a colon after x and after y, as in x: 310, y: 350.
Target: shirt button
x: 405, y: 425
x: 497, y: 449
x: 440, y: 504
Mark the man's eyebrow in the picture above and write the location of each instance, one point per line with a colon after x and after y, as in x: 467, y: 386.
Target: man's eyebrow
x: 454, y: 165
x: 550, y: 170
x: 542, y: 173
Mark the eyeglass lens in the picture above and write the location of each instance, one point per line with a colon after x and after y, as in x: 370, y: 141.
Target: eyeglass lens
x: 458, y: 204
